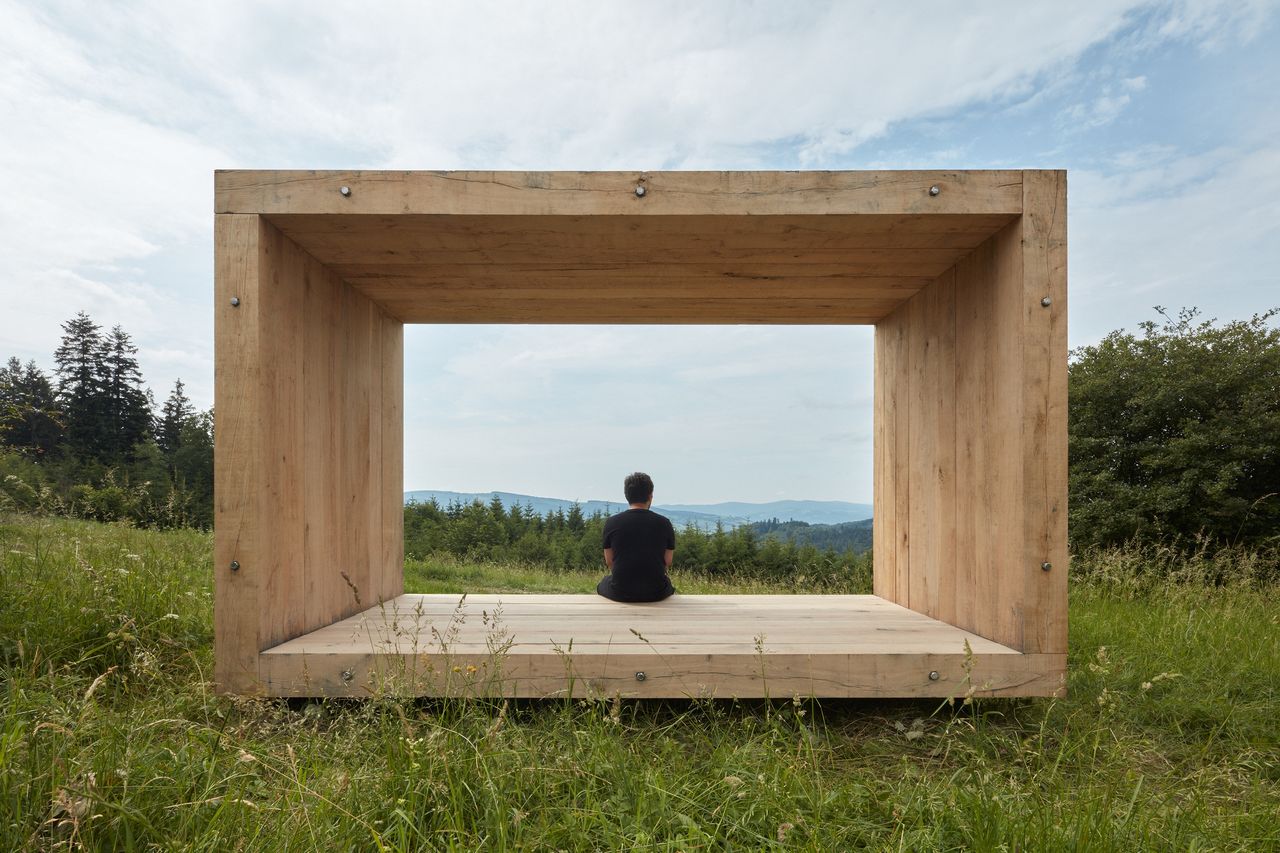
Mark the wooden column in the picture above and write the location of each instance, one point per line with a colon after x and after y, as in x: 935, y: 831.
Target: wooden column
x: 308, y: 448
x: 970, y: 438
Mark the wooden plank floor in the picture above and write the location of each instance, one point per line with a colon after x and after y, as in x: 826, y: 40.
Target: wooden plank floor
x: 518, y: 644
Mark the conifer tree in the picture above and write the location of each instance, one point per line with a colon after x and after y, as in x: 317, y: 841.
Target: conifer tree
x: 174, y: 415
x: 30, y: 419
x: 80, y: 387
x: 127, y: 403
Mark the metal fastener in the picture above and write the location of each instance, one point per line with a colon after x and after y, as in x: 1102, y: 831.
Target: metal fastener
x: 1046, y: 566
x: 235, y: 302
x: 933, y: 676
x: 347, y: 675
x: 345, y: 190
x: 235, y: 565
x: 935, y: 189
x: 639, y: 192
x: 640, y: 676
x: 1046, y: 302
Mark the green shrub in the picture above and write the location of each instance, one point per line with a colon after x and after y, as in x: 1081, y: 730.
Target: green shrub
x: 1175, y: 433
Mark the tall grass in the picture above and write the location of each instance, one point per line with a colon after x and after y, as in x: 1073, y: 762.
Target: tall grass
x: 110, y: 738
x: 448, y: 573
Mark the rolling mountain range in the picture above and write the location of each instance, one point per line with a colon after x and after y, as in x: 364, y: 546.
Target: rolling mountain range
x: 705, y: 516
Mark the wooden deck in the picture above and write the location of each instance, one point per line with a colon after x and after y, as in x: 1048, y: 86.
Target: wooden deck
x: 722, y: 646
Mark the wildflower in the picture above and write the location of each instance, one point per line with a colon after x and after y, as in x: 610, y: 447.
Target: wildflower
x: 732, y: 781
x: 471, y: 669
x: 783, y: 829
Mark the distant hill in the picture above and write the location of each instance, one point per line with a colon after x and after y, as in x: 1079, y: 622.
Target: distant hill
x: 542, y: 506
x: 730, y: 514
x: 813, y: 512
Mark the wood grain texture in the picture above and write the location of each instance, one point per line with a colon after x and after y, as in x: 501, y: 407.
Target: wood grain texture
x: 392, y: 457
x: 1044, y: 411
x: 930, y: 315
x: 708, y: 645
x: 639, y: 269
x: 237, y: 497
x: 890, y: 523
x: 613, y: 193
x: 985, y: 386
x: 300, y: 485
x: 281, y: 335
x: 970, y: 396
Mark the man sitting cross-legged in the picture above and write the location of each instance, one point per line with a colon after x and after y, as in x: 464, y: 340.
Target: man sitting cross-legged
x: 639, y: 545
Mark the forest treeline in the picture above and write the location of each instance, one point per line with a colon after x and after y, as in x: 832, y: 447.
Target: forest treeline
x: 563, y: 540
x: 90, y: 441
x: 847, y: 536
x: 1174, y: 436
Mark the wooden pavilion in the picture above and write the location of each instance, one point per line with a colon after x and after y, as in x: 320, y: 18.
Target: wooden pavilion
x: 963, y: 275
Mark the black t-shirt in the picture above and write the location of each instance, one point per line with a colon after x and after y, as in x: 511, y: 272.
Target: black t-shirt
x: 640, y: 539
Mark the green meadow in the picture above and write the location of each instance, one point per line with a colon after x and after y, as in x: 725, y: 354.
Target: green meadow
x: 111, y: 737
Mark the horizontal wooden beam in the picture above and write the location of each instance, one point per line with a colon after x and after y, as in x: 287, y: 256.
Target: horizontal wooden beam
x: 543, y: 645
x: 604, y: 672
x: 615, y: 193
x: 693, y: 311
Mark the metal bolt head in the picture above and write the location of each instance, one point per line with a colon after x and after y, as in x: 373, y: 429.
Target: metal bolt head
x: 347, y: 675
x: 935, y: 189
x: 235, y: 565
x: 345, y: 190
x: 640, y: 676
x: 235, y: 302
x: 639, y: 192
x: 1046, y: 566
x: 933, y: 675
x: 1046, y: 302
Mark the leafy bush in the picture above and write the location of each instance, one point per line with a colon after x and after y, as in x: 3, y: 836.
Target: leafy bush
x: 1176, y: 432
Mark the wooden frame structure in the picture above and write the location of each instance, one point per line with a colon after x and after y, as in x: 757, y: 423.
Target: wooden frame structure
x: 963, y: 275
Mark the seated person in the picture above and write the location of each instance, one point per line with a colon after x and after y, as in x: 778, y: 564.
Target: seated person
x: 639, y: 545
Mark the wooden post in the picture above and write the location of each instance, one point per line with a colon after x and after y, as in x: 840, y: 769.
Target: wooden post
x: 308, y: 449
x: 970, y: 439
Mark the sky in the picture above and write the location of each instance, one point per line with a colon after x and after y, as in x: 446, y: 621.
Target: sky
x: 114, y: 117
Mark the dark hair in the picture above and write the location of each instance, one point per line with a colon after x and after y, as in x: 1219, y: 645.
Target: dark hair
x: 638, y: 488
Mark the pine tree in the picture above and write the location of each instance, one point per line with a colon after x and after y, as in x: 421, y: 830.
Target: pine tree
x: 30, y: 419
x: 80, y: 389
x: 177, y: 410
x: 127, y: 404
x: 192, y: 463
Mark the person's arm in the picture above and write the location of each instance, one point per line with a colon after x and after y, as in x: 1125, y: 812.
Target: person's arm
x: 666, y: 557
x: 608, y: 544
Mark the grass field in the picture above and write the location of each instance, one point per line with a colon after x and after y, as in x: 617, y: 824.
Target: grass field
x: 110, y: 737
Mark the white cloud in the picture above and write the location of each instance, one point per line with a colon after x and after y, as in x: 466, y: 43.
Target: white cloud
x: 1179, y: 231
x: 115, y: 117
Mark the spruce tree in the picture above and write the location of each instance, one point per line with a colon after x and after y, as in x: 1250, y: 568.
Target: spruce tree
x: 30, y: 419
x: 175, y: 413
x: 127, y: 403
x: 80, y: 387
